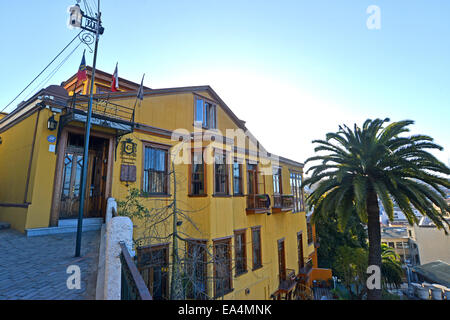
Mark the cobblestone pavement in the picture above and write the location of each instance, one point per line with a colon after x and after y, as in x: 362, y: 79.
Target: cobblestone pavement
x: 35, y: 267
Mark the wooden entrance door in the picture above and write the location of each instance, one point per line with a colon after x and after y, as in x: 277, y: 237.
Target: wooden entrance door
x: 96, y: 203
x: 70, y: 194
x: 71, y: 185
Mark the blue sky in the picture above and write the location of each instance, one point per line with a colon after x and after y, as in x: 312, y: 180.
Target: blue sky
x: 299, y: 68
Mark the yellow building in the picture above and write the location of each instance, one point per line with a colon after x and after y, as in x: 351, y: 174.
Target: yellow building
x: 246, y: 204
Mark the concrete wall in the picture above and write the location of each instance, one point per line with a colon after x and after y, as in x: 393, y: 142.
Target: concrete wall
x: 433, y: 244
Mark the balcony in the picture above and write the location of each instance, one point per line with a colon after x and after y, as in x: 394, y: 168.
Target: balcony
x: 258, y: 203
x: 305, y: 270
x: 282, y: 203
x: 317, y: 242
x: 288, y: 282
x: 104, y: 114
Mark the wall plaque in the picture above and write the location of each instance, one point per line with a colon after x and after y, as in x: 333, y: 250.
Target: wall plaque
x: 128, y: 173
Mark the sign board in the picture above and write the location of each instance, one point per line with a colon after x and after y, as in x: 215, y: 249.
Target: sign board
x: 128, y: 173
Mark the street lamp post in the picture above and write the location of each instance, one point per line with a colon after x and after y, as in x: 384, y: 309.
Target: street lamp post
x: 92, y: 25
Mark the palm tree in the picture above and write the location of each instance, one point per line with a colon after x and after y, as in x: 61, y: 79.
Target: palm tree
x: 372, y: 163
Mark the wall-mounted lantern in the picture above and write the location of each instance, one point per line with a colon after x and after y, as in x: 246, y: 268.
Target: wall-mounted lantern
x: 52, y: 123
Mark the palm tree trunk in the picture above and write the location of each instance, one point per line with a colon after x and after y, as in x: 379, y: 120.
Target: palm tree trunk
x: 374, y: 234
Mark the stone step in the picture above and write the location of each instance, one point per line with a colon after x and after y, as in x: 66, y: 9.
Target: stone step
x: 4, y: 225
x: 61, y: 229
x: 74, y: 222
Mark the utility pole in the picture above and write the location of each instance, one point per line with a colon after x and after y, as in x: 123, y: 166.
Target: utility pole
x: 92, y: 25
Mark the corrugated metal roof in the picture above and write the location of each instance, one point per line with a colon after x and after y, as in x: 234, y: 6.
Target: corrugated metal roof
x: 436, y: 271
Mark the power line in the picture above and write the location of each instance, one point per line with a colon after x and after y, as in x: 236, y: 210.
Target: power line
x: 94, y: 5
x: 42, y: 71
x: 52, y: 73
x: 88, y: 8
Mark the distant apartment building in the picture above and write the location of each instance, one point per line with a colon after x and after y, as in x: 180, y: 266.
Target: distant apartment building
x: 399, y: 217
x: 418, y: 244
x: 399, y: 239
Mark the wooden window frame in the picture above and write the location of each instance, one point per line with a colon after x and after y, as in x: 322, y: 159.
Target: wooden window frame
x: 190, y: 180
x: 166, y: 148
x: 241, y: 183
x: 259, y: 253
x: 293, y: 176
x: 280, y: 179
x: 150, y: 249
x: 227, y: 241
x: 205, y: 113
x: 243, y: 233
x: 281, y: 259
x: 309, y: 232
x: 201, y: 242
x: 103, y: 88
x: 300, y: 253
x: 227, y: 174
x: 256, y: 184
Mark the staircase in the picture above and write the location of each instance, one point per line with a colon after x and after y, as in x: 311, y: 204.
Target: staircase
x: 67, y: 226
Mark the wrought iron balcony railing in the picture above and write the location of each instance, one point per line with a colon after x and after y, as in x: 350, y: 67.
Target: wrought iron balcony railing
x: 104, y: 114
x: 307, y: 266
x: 132, y: 286
x: 288, y: 281
x: 283, y: 202
x: 258, y: 203
x: 105, y: 108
